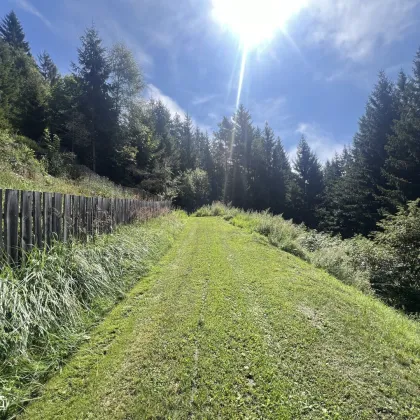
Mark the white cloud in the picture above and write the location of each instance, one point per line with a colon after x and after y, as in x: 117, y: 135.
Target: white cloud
x: 356, y: 27
x: 112, y: 32
x: 201, y: 100
x: 320, y: 141
x: 154, y: 92
x: 28, y: 7
x: 76, y: 15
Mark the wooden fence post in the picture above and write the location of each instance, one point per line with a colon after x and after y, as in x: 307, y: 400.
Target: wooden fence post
x: 37, y: 213
x: 76, y: 227
x: 11, y: 225
x: 26, y: 222
x: 1, y: 225
x: 30, y: 218
x: 66, y: 217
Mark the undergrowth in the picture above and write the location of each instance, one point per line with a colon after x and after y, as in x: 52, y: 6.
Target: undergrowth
x: 20, y: 169
x: 386, y: 264
x: 48, y: 305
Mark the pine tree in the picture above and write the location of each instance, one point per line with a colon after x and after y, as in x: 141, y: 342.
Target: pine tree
x: 187, y: 145
x: 92, y: 72
x: 237, y: 183
x: 221, y: 153
x: 362, y: 197
x: 309, y: 185
x: 11, y: 31
x: 176, y: 139
x: 259, y: 171
x: 47, y: 68
x: 8, y: 85
x: 403, y: 147
x: 280, y: 180
x: 330, y: 213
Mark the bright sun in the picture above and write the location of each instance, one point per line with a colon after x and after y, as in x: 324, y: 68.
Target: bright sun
x: 256, y: 21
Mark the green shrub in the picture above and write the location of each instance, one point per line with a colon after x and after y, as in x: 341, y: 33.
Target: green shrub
x: 193, y: 189
x: 396, y: 270
x: 20, y: 169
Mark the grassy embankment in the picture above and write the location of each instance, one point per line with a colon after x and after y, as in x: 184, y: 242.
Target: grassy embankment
x: 19, y: 169
x: 386, y: 264
x: 49, y: 305
x: 228, y: 326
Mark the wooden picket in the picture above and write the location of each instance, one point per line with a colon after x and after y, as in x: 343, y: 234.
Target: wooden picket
x: 32, y: 219
x: 38, y: 220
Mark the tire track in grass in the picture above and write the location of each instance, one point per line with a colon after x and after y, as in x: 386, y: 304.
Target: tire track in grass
x: 112, y: 378
x: 229, y: 327
x: 235, y: 372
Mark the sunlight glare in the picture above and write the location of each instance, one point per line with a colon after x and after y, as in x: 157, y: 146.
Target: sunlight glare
x: 256, y: 21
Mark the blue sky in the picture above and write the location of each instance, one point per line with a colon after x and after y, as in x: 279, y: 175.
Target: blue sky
x: 314, y: 81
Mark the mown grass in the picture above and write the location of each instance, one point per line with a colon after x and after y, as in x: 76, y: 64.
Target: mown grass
x: 228, y: 326
x: 48, y: 305
x: 370, y: 266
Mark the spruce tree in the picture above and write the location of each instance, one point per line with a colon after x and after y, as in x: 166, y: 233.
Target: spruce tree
x: 237, y: 177
x: 221, y: 151
x: 330, y: 212
x: 187, y: 145
x: 280, y: 178
x: 403, y: 147
x: 92, y: 72
x: 11, y: 31
x: 361, y: 199
x: 47, y: 68
x: 309, y: 185
x: 258, y: 174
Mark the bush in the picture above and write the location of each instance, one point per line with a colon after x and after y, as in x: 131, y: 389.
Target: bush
x: 18, y: 157
x: 20, y: 169
x: 396, y: 274
x: 193, y: 190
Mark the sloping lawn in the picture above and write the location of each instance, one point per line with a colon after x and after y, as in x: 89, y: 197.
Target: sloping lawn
x: 228, y: 326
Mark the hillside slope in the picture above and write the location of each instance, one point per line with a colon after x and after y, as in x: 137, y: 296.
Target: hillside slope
x: 228, y: 326
x: 21, y: 170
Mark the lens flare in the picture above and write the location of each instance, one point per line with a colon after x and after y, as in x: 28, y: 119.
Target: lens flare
x: 256, y: 21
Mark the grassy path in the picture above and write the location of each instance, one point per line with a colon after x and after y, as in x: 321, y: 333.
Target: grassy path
x: 229, y: 327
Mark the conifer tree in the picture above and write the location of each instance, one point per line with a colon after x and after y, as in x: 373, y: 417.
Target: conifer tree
x: 11, y: 31
x: 403, y: 147
x: 309, y: 185
x: 361, y: 199
x: 92, y: 72
x: 187, y: 145
x: 47, y: 68
x: 280, y: 179
x: 221, y: 151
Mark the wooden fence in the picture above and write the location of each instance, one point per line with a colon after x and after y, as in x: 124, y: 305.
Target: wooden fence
x: 30, y: 218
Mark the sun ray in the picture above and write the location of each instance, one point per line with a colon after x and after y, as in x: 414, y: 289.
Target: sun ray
x: 242, y: 74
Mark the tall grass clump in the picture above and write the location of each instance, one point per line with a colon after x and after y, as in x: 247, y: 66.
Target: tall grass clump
x: 387, y: 264
x: 47, y: 304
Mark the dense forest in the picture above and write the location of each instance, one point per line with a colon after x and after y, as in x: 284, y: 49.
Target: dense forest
x: 96, y: 116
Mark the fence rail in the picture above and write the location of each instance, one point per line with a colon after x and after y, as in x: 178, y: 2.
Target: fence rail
x: 31, y: 218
